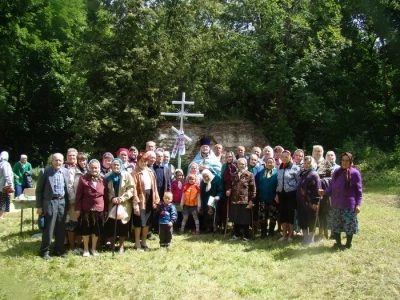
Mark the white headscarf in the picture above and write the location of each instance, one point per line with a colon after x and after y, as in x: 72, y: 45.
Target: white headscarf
x: 4, y: 155
x: 210, y: 176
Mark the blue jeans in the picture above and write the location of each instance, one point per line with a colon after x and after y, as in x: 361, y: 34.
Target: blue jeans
x: 18, y: 190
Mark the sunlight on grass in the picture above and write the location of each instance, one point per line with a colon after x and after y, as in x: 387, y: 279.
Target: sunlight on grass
x: 213, y: 267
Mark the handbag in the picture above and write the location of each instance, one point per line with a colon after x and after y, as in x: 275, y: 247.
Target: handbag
x: 28, y: 181
x: 8, y: 189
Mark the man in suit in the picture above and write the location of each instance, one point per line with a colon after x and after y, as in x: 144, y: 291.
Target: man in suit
x: 52, y: 202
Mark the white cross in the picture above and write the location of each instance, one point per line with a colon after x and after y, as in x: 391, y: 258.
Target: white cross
x: 182, y: 114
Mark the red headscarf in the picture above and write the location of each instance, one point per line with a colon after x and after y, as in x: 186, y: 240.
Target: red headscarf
x: 122, y: 150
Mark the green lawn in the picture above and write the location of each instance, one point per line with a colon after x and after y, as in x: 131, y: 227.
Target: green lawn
x: 207, y: 267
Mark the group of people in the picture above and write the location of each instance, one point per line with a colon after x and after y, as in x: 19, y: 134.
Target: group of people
x: 142, y: 193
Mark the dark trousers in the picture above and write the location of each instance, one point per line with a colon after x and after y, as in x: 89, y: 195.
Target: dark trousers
x: 165, y: 234
x: 54, y: 223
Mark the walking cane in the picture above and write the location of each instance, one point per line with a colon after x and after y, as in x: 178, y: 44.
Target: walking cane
x: 317, y: 217
x: 227, y: 213
x: 215, y: 214
x: 252, y: 222
x: 115, y: 229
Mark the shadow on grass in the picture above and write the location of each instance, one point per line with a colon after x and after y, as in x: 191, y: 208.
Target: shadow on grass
x: 278, y: 250
x: 16, y: 244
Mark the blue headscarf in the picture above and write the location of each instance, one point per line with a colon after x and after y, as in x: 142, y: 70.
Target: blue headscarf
x: 115, y: 177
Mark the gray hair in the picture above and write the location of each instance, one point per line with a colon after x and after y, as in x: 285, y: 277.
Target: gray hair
x: 23, y: 156
x: 243, y: 160
x: 94, y: 161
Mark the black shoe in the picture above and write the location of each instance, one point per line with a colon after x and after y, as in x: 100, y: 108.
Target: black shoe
x: 60, y: 254
x: 347, y: 246
x: 336, y: 247
x: 46, y: 256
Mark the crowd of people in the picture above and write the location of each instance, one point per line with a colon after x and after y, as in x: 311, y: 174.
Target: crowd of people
x: 139, y: 195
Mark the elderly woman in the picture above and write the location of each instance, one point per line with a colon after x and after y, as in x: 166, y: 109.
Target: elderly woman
x: 228, y: 170
x: 325, y: 173
x: 72, y: 221
x: 346, y: 197
x: 6, y: 179
x: 307, y: 200
x: 243, y: 193
x: 286, y: 194
x: 145, y: 199
x: 267, y: 152
x: 106, y: 163
x: 123, y: 154
x: 121, y: 188
x: 21, y: 169
x: 298, y: 157
x: 277, y: 155
x: 266, y: 181
x: 210, y: 186
x: 90, y: 200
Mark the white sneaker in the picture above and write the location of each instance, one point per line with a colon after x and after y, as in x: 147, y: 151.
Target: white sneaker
x: 86, y: 254
x: 94, y: 252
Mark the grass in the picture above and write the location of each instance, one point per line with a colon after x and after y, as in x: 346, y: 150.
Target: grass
x: 207, y: 267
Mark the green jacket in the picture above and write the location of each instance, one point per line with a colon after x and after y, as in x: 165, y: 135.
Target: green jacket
x: 20, y: 170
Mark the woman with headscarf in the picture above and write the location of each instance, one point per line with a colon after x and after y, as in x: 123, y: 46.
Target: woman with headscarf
x: 325, y: 173
x: 243, y: 193
x: 298, y: 158
x: 345, y: 190
x: 90, y: 204
x: 21, y: 169
x: 6, y: 179
x: 266, y: 181
x: 72, y: 221
x: 307, y: 199
x: 106, y: 163
x: 121, y: 189
x: 210, y: 186
x: 286, y: 194
x: 228, y: 171
x: 123, y: 154
x: 145, y: 199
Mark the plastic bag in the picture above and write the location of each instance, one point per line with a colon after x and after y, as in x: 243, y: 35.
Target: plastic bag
x: 28, y: 181
x: 120, y: 214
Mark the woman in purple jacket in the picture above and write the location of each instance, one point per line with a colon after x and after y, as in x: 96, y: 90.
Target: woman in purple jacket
x: 346, y: 197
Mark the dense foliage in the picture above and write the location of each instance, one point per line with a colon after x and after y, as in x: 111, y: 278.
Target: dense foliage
x: 95, y: 74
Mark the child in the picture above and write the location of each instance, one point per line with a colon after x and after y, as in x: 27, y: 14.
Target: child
x: 194, y: 170
x: 177, y: 190
x: 166, y: 219
x: 190, y: 203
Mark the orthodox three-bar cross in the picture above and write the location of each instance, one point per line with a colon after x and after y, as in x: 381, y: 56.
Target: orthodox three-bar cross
x: 182, y: 114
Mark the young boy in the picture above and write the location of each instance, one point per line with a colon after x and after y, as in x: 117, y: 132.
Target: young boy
x: 167, y: 218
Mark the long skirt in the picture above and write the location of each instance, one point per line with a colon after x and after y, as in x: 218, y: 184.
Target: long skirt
x: 122, y: 229
x: 343, y: 220
x: 239, y: 214
x: 4, y: 202
x: 287, y: 206
x: 90, y: 222
x: 268, y: 211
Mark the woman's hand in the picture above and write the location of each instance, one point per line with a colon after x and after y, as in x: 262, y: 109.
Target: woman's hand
x: 357, y: 209
x: 39, y: 211
x: 170, y: 224
x: 136, y: 211
x: 315, y: 207
x: 116, y: 200
x: 321, y: 192
x: 228, y: 193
